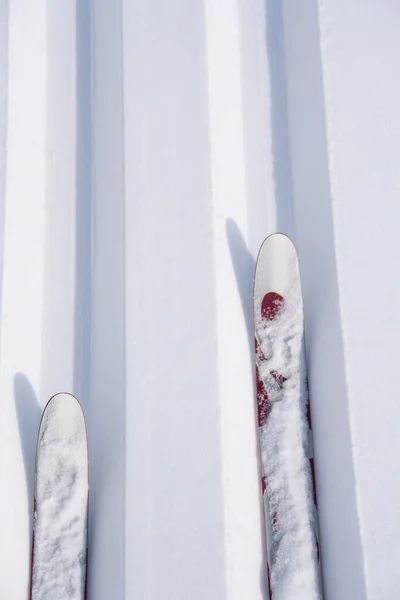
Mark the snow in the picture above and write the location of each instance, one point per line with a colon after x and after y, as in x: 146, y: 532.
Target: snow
x: 146, y: 150
x: 61, y: 501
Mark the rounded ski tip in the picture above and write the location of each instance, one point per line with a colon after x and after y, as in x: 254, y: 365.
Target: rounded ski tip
x: 277, y: 240
x: 65, y: 412
x: 277, y: 266
x: 64, y: 400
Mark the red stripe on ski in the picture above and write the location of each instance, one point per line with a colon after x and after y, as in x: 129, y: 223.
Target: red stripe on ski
x: 271, y: 305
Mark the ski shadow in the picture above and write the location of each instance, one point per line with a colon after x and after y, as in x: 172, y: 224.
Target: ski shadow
x: 28, y: 415
x: 243, y: 264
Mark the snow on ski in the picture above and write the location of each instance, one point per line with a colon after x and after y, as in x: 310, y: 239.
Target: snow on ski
x: 59, y: 544
x: 284, y: 425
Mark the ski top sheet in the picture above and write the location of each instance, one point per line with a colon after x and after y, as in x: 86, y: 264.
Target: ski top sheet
x: 284, y: 425
x: 59, y: 542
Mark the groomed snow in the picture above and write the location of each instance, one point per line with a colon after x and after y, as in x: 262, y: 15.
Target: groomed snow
x: 146, y: 150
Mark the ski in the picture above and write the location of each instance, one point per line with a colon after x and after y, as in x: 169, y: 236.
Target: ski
x: 284, y: 424
x: 59, y: 540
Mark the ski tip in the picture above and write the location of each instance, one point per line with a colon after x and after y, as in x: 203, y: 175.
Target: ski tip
x: 276, y: 239
x: 277, y: 266
x: 66, y: 410
x: 64, y: 398
x: 277, y: 245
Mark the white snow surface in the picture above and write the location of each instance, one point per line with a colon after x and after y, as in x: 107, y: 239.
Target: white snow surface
x: 285, y: 442
x: 146, y: 150
x: 61, y: 503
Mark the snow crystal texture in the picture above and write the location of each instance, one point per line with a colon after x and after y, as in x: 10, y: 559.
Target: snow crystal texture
x: 61, y: 500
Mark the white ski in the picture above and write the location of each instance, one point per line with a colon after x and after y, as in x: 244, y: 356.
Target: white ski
x: 284, y: 424
x: 59, y: 545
